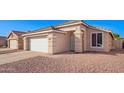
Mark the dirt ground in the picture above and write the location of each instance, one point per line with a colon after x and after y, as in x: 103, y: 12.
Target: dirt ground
x: 89, y: 62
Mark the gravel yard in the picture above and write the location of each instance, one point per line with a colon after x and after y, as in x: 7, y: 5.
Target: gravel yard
x: 70, y: 62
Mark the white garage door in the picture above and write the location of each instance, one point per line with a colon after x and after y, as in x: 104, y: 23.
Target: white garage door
x: 13, y: 44
x: 39, y: 44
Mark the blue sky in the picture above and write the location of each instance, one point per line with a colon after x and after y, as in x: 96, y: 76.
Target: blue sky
x: 6, y: 26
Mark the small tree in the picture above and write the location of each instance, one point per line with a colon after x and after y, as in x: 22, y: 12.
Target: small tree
x: 116, y: 36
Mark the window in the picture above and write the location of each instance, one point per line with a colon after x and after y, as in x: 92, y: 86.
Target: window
x: 97, y: 39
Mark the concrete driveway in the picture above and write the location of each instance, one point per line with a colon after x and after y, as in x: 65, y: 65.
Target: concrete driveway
x: 5, y: 49
x: 66, y: 62
x: 15, y: 55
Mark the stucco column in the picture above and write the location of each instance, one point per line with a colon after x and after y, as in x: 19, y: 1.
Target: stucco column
x: 78, y: 35
x: 25, y: 43
x: 51, y: 43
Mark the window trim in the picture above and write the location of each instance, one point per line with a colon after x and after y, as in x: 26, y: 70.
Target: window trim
x: 96, y: 40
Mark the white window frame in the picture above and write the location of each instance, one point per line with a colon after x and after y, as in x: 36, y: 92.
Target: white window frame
x: 96, y: 40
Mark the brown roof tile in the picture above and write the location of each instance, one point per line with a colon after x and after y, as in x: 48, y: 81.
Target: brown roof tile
x: 19, y: 33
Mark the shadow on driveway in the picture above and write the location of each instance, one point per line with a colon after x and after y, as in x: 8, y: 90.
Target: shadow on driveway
x: 9, y: 51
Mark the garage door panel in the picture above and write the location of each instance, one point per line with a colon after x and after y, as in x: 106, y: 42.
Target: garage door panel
x: 13, y: 44
x: 39, y: 44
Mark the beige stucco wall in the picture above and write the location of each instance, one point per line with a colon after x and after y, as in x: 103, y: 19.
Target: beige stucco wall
x: 26, y: 43
x: 20, y: 43
x: 107, y: 41
x: 72, y: 41
x: 61, y: 42
x: 79, y: 44
x: 69, y: 28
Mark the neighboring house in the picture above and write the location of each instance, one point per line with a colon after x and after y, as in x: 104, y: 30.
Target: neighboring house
x: 15, y: 40
x: 74, y: 36
x: 3, y: 41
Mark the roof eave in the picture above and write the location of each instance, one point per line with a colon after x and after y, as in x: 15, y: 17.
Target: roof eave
x: 42, y: 32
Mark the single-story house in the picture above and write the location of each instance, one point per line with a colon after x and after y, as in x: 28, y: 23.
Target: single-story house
x: 15, y: 40
x: 74, y: 36
x: 3, y: 41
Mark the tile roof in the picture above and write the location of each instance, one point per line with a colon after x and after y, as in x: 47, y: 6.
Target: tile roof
x: 44, y: 29
x: 55, y: 27
x: 19, y: 33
